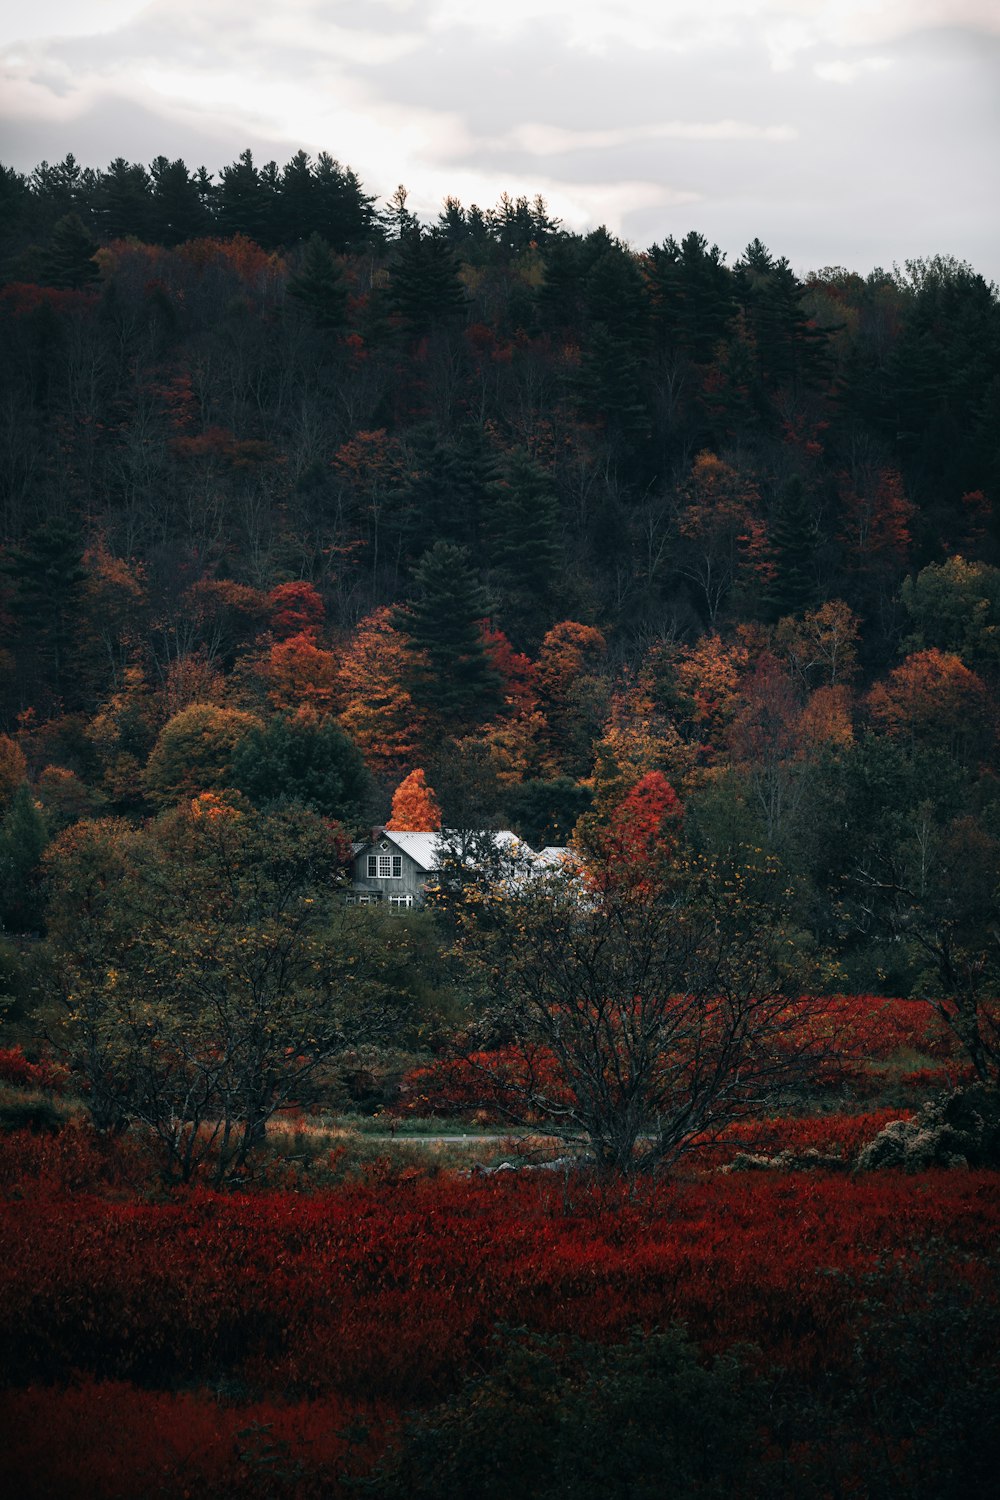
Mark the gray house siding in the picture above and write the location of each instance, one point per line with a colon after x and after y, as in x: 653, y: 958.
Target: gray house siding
x: 389, y: 888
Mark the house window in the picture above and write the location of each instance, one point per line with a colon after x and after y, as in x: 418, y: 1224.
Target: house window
x: 372, y: 866
x: 390, y: 866
x: 401, y: 901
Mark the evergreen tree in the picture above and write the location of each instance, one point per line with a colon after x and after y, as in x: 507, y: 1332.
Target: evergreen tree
x: 453, y: 678
x: 49, y: 577
x: 425, y: 289
x: 23, y: 837
x: 124, y: 201
x: 177, y: 211
x: 343, y: 212
x: 69, y: 260
x: 243, y: 201
x: 560, y: 296
x: 297, y: 200
x: 692, y: 291
x: 793, y: 544
x: 318, y: 286
x: 523, y: 521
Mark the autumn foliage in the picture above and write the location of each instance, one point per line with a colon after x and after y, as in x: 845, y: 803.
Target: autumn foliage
x: 414, y: 806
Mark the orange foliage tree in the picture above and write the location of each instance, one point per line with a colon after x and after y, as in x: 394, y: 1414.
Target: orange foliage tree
x: 300, y: 674
x: 414, y: 805
x: 378, y: 712
x: 934, y: 697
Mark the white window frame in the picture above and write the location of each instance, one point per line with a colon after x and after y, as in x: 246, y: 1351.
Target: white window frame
x: 373, y: 867
x: 401, y: 903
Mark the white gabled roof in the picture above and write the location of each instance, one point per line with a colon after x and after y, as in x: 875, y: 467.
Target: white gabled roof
x: 421, y: 847
x: 425, y: 848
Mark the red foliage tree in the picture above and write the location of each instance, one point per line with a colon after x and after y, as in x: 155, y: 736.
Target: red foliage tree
x: 294, y: 609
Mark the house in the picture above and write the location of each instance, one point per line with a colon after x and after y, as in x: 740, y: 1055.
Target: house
x: 394, y: 866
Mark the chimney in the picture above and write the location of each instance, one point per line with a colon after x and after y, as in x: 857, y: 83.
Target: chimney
x: 377, y: 832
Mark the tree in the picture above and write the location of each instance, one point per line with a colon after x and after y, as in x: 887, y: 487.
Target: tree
x: 194, y: 752
x: 13, y: 770
x: 305, y: 759
x: 301, y: 674
x: 647, y: 1002
x: 49, y: 579
x: 318, y: 287
x: 379, y: 713
x: 425, y: 289
x: 294, y: 609
x: 915, y: 870
x: 955, y: 606
x: 934, y: 698
x: 523, y: 520
x: 723, y: 540
x: 23, y: 836
x: 208, y: 970
x: 69, y: 261
x: 414, y: 806
x: 452, y: 678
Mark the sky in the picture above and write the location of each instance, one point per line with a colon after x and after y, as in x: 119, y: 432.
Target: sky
x: 840, y: 132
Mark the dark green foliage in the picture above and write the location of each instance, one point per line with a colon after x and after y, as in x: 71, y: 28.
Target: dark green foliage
x: 303, y: 760
x: 245, y: 200
x: 578, y: 1421
x: 692, y: 290
x: 177, y: 212
x: 546, y: 812
x: 455, y: 683
x: 524, y: 517
x: 23, y: 836
x: 318, y: 287
x: 48, y: 575
x: 793, y: 539
x: 124, y: 201
x: 425, y: 290
x: 69, y: 260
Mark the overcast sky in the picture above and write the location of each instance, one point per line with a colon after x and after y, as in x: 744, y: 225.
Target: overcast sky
x: 850, y: 132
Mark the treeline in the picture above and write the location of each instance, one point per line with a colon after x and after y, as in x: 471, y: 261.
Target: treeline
x: 298, y: 494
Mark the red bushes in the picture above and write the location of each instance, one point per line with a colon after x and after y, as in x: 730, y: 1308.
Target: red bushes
x: 385, y: 1294
x: 15, y: 1068
x: 110, y: 1439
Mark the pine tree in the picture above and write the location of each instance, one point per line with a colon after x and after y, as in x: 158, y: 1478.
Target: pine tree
x: 177, y: 212
x: 49, y: 578
x: 124, y: 201
x: 454, y: 681
x: 425, y: 289
x: 69, y: 260
x: 792, y: 533
x: 318, y: 287
x: 523, y: 522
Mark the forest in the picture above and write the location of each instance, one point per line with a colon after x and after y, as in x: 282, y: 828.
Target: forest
x: 315, y: 517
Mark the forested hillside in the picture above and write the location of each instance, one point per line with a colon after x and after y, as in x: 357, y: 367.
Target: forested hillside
x: 299, y: 494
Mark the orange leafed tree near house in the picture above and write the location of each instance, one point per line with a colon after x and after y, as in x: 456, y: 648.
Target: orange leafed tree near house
x: 378, y: 713
x: 414, y: 806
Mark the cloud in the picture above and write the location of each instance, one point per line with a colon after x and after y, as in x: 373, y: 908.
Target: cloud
x: 835, y: 129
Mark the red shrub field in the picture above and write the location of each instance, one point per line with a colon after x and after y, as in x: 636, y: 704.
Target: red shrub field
x: 262, y: 1342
